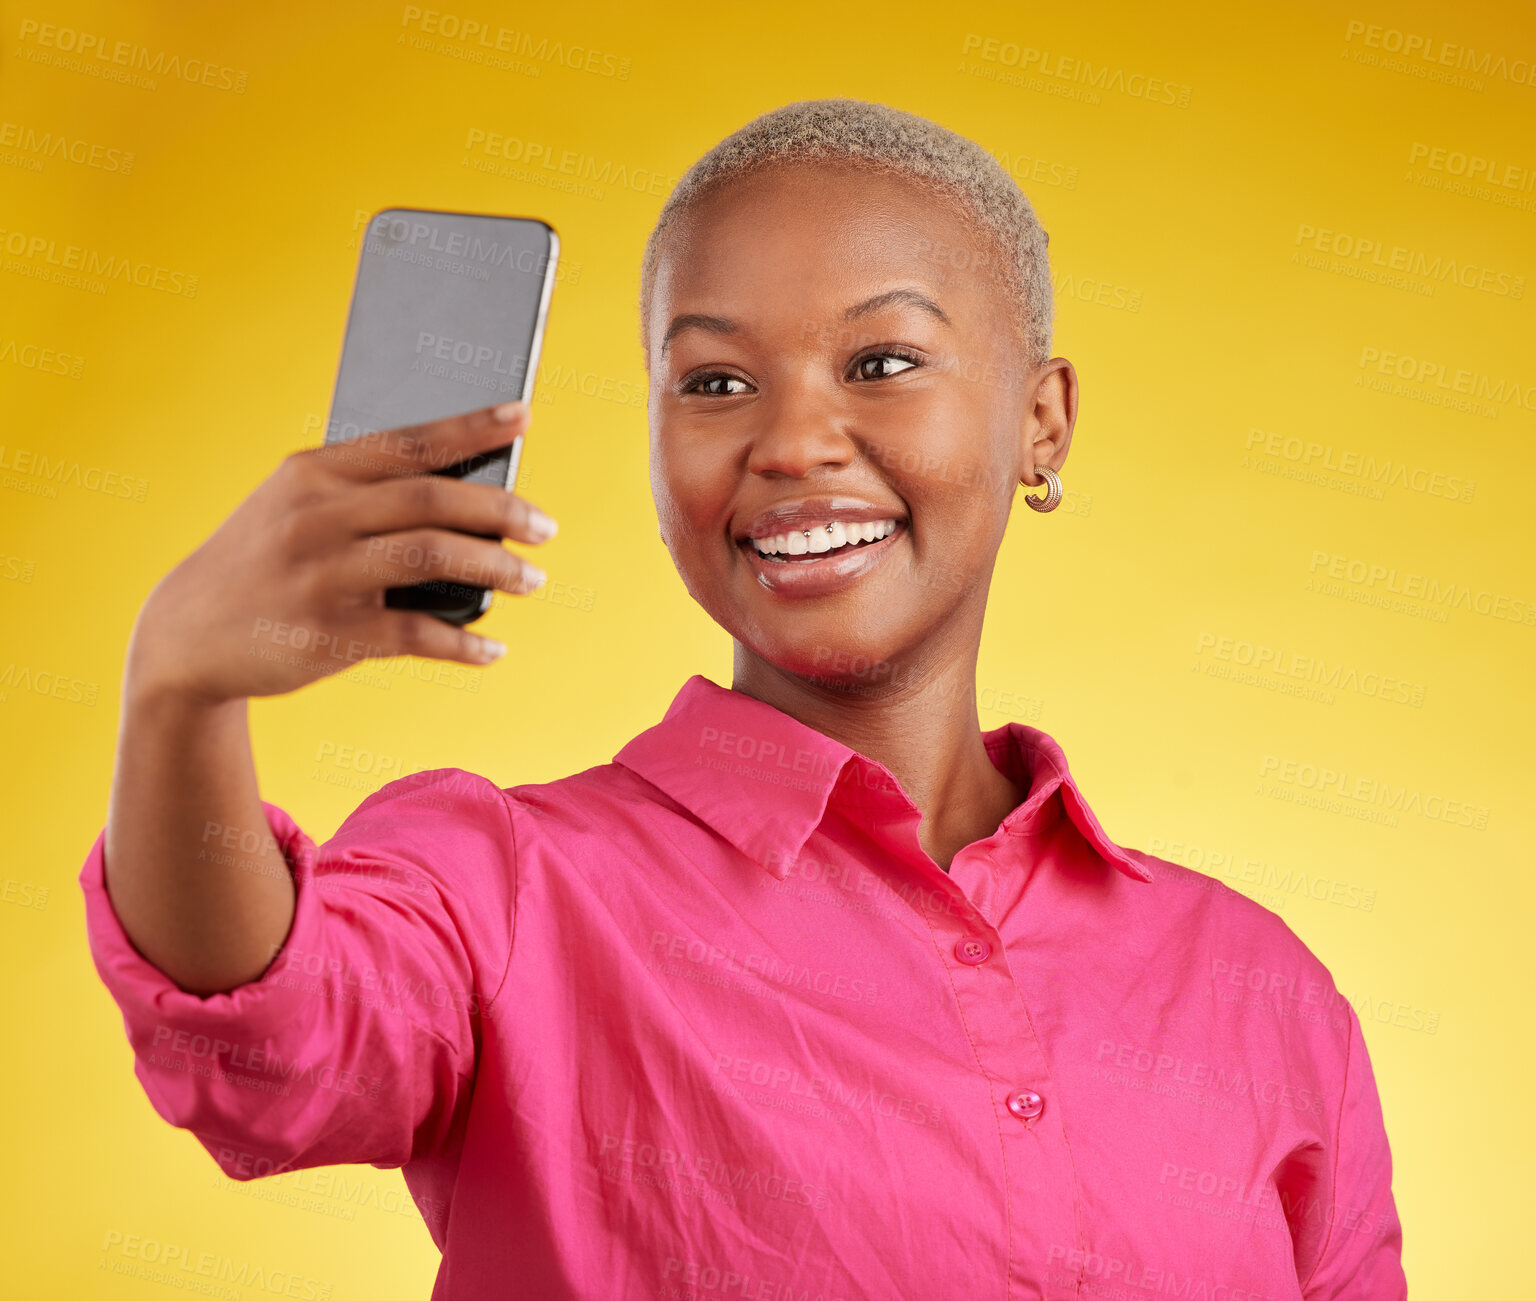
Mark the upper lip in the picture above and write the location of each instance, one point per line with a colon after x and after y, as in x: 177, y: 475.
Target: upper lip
x: 793, y: 516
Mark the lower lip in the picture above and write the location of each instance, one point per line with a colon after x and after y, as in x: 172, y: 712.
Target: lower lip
x: 829, y: 573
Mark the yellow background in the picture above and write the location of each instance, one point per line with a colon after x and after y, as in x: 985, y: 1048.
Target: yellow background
x: 1104, y: 613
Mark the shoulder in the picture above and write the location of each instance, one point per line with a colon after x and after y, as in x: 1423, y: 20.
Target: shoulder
x: 439, y: 802
x: 445, y: 823
x: 424, y: 798
x: 608, y: 801
x: 1193, y: 899
x: 606, y: 795
x: 1245, y: 953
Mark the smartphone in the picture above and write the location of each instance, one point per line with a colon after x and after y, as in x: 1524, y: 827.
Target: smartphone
x: 448, y: 313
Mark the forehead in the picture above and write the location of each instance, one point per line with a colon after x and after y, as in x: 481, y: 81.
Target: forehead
x: 792, y: 234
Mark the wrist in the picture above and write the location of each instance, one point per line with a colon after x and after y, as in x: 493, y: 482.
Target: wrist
x: 169, y: 696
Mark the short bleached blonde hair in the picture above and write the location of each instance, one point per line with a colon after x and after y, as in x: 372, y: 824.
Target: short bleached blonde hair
x: 874, y: 135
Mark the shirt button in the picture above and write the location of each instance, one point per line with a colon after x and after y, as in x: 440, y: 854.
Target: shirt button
x: 973, y: 950
x: 1026, y: 1104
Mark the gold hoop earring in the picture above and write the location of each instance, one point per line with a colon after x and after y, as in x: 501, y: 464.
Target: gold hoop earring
x: 1052, y: 498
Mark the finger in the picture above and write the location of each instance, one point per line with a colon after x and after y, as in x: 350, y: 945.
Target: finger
x: 436, y: 501
x: 425, y: 448
x: 436, y: 555
x: 411, y: 632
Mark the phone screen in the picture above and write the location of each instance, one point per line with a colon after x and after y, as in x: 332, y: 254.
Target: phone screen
x: 447, y: 315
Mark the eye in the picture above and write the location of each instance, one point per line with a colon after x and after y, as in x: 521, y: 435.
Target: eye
x: 881, y: 365
x: 715, y: 384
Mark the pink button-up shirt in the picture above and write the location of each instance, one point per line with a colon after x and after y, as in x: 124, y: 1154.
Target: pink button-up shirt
x: 707, y: 1022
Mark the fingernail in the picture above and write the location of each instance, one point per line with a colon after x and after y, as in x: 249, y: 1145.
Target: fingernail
x: 492, y: 649
x: 508, y: 411
x: 536, y: 576
x: 540, y: 525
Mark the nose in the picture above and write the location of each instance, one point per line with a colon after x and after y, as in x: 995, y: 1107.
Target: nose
x: 800, y: 429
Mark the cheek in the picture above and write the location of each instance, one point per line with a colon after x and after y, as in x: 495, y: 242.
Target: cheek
x: 691, y: 489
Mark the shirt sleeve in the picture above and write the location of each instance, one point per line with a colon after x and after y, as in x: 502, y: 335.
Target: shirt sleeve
x: 1361, y: 1257
x: 359, y: 1042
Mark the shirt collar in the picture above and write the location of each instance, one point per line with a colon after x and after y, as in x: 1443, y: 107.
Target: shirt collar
x: 762, y: 779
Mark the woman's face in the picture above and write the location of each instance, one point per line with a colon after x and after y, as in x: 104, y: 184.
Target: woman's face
x: 828, y: 346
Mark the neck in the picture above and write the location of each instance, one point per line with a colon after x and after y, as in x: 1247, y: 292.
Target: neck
x: 922, y: 727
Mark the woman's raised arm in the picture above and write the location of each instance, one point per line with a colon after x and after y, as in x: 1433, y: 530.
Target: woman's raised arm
x: 288, y: 590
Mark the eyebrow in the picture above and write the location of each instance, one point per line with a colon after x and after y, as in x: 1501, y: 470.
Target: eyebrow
x: 723, y: 325
x: 911, y: 297
x: 696, y: 321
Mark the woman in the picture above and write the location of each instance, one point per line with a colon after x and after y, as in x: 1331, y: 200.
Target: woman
x: 816, y: 990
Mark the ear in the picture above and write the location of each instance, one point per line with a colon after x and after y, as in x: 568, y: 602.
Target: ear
x: 1050, y: 412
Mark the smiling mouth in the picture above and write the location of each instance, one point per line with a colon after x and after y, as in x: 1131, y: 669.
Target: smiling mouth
x: 802, y: 546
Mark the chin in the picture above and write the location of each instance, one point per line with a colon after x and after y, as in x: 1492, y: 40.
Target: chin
x: 838, y: 661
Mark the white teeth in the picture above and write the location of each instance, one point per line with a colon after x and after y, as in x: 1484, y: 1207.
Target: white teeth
x: 821, y: 538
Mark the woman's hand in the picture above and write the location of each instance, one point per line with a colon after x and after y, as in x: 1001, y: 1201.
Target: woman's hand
x: 290, y: 588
